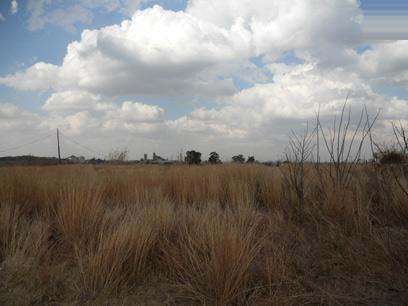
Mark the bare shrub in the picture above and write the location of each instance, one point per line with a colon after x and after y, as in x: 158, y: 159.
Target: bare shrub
x: 118, y: 155
x: 344, y: 143
x: 394, y: 158
x: 299, y: 153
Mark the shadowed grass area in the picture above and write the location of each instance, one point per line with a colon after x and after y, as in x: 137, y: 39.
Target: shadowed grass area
x: 214, y: 235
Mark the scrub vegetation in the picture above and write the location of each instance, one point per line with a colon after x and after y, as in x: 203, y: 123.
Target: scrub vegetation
x: 215, y: 235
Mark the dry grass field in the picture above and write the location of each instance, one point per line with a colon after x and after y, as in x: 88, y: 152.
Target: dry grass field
x: 193, y: 235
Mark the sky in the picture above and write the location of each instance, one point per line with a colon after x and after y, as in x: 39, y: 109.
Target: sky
x: 165, y: 76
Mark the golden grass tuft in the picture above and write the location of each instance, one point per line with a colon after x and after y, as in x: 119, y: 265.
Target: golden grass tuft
x: 214, y: 253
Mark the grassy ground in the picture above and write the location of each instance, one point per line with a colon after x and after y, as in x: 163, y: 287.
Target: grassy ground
x: 214, y: 235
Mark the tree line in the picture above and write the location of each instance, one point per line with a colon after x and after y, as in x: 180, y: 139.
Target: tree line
x: 194, y: 158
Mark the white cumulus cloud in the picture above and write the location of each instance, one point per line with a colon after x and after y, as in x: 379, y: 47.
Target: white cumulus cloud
x: 15, y: 119
x: 276, y: 26
x: 265, y: 113
x: 162, y: 52
x: 14, y: 7
x: 71, y: 101
x: 40, y: 76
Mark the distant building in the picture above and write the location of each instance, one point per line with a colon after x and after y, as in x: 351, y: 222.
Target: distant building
x: 157, y: 159
x: 76, y: 159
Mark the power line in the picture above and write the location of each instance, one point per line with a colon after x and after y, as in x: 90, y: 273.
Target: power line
x: 26, y: 144
x: 80, y: 145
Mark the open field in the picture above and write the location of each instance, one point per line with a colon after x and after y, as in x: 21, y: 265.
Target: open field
x: 214, y: 235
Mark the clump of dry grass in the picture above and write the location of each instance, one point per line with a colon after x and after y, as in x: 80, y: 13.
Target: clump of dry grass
x: 120, y: 256
x: 216, y: 235
x: 78, y: 211
x: 22, y: 240
x: 214, y: 253
x: 24, y: 248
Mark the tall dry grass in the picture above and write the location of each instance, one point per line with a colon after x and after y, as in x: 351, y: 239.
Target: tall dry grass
x: 214, y: 253
x: 214, y: 235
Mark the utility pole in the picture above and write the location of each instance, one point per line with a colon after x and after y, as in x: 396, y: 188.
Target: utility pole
x: 59, y: 152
